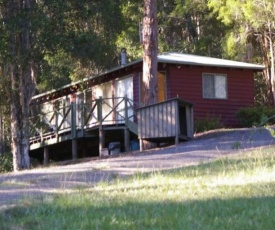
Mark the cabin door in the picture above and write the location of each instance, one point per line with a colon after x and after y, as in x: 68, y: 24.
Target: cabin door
x: 161, y: 78
x: 161, y: 86
x: 124, y: 88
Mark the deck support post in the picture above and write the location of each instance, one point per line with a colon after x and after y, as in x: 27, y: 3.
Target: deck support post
x: 126, y: 140
x: 176, y: 140
x: 140, y: 145
x: 101, y: 140
x: 74, y: 149
x: 46, y: 156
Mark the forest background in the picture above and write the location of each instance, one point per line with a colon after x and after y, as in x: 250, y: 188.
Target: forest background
x: 46, y: 44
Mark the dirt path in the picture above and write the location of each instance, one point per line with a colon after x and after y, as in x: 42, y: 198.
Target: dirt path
x: 89, y: 172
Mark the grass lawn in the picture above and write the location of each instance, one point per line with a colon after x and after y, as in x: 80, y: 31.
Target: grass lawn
x: 231, y: 193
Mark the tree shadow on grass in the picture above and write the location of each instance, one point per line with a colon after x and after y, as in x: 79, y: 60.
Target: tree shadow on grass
x: 238, y: 213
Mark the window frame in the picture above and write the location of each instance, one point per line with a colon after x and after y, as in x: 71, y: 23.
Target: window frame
x: 215, y: 75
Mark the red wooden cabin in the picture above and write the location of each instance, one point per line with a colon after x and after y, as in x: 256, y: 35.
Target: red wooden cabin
x: 215, y: 87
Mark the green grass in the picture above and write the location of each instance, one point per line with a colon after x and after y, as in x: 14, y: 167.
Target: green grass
x: 231, y: 193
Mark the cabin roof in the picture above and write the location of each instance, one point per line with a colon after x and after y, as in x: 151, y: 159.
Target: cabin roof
x: 190, y: 59
x: 172, y: 58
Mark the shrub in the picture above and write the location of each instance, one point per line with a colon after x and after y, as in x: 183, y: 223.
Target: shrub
x: 6, y: 163
x: 207, y: 123
x: 255, y: 116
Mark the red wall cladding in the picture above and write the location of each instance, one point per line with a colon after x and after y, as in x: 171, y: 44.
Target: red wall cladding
x: 186, y: 82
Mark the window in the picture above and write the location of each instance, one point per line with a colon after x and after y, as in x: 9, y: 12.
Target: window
x: 214, y: 86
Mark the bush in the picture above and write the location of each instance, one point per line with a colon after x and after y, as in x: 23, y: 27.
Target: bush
x: 255, y: 116
x: 207, y: 123
x: 6, y: 163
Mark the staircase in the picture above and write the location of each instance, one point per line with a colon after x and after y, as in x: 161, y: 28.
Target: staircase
x: 132, y: 126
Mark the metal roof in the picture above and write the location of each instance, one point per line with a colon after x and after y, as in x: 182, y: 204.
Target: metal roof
x: 173, y: 58
x: 190, y: 59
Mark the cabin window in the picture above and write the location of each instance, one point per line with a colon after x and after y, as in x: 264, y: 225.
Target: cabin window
x: 124, y: 87
x: 161, y: 88
x: 214, y: 86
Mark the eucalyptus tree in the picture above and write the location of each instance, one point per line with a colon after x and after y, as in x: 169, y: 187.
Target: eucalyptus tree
x: 35, y: 31
x: 150, y: 51
x: 252, y: 36
x: 18, y: 42
x: 187, y: 26
x: 190, y: 26
x: 81, y: 41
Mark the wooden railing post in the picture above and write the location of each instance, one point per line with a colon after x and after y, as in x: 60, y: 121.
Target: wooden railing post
x: 126, y: 110
x: 56, y: 123
x: 99, y: 110
x: 41, y: 128
x: 126, y: 131
x: 101, y: 131
x: 73, y: 120
x: 83, y: 114
x: 73, y: 130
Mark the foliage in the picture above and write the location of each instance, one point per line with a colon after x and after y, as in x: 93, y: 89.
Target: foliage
x: 207, y: 123
x: 183, y: 26
x: 6, y: 163
x: 252, y: 33
x: 190, y: 27
x: 254, y: 116
x: 54, y: 39
x: 130, y: 36
x: 70, y: 40
x: 81, y: 42
x: 261, y: 95
x: 231, y: 193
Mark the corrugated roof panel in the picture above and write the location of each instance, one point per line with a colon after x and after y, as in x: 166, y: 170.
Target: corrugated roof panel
x: 173, y: 58
x: 189, y: 59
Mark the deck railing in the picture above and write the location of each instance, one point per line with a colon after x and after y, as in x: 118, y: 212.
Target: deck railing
x: 80, y: 117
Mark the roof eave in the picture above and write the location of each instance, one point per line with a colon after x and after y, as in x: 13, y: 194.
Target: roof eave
x: 252, y: 67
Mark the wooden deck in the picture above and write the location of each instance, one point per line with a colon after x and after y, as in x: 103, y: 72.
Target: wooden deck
x: 59, y: 123
x: 75, y: 121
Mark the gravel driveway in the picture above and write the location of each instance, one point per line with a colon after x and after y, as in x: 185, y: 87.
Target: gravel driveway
x: 202, y: 148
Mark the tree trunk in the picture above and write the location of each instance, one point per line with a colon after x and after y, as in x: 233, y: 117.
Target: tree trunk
x: 21, y: 72
x: 19, y: 121
x: 150, y: 52
x: 267, y: 52
x: 272, y: 68
x: 1, y: 131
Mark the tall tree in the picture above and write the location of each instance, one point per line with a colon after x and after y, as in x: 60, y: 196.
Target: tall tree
x: 81, y: 42
x: 131, y: 34
x: 252, y: 27
x: 189, y: 26
x: 183, y: 26
x: 34, y: 31
x: 18, y: 66
x: 150, y: 51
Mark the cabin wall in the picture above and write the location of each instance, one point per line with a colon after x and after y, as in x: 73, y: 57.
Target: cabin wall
x: 186, y: 83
